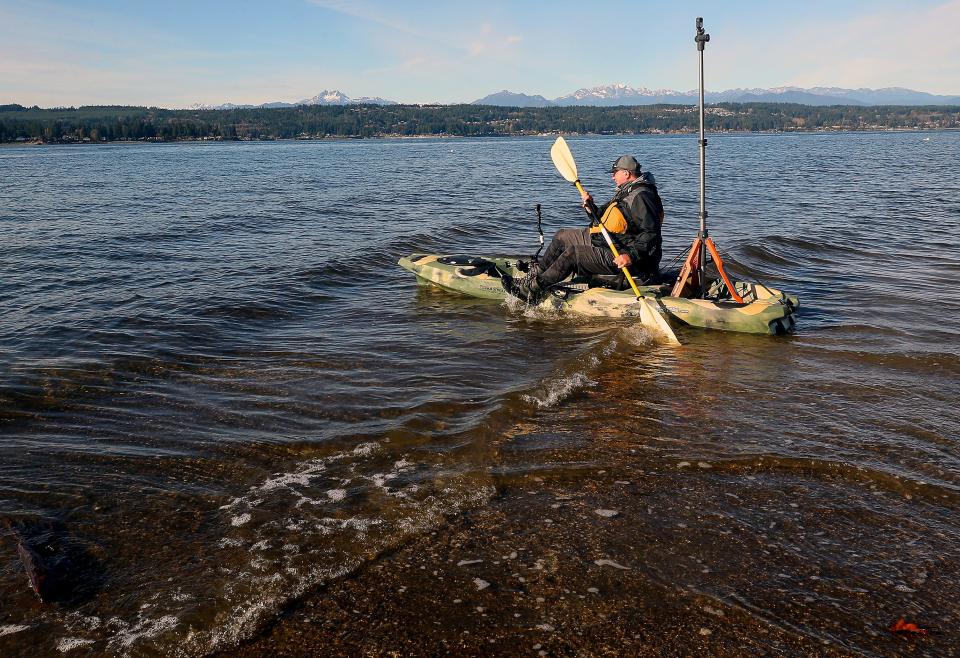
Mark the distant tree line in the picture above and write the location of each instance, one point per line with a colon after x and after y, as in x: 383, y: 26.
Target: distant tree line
x: 111, y: 123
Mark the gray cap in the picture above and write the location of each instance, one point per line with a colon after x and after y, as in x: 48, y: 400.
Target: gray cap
x: 627, y: 163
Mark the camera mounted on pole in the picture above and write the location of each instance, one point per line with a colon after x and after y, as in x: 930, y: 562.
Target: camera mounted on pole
x: 702, y: 37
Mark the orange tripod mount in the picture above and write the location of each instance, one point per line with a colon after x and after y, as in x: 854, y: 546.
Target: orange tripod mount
x: 692, y: 271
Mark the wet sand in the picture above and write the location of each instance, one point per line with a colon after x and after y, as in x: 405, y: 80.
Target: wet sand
x: 588, y: 561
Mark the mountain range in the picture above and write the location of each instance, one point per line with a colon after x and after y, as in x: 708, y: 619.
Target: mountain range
x: 325, y: 97
x: 621, y: 94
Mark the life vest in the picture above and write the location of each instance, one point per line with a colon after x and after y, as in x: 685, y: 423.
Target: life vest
x: 612, y: 220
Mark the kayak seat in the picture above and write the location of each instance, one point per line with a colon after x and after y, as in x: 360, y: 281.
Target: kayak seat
x: 488, y: 268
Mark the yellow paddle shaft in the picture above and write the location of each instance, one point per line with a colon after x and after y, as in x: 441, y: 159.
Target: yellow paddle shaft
x: 616, y: 254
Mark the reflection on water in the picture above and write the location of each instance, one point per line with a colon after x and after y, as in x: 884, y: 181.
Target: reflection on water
x: 218, y: 390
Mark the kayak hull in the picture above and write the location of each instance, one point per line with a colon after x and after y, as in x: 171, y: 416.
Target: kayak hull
x: 765, y: 311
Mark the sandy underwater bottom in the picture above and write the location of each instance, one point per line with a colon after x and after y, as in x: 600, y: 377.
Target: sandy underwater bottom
x: 594, y: 547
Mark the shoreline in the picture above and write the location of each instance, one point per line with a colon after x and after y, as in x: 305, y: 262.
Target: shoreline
x: 865, y: 131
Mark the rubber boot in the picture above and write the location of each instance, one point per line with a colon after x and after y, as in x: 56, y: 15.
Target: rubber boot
x: 528, y: 291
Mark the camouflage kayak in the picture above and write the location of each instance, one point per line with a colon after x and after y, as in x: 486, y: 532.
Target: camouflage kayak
x: 764, y: 311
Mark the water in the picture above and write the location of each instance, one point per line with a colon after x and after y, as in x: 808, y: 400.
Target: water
x: 218, y: 390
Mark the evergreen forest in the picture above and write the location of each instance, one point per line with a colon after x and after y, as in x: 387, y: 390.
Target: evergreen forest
x: 113, y: 123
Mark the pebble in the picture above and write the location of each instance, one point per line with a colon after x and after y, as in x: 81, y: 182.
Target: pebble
x: 683, y: 464
x: 606, y: 513
x: 706, y: 631
x: 610, y: 563
x: 704, y: 465
x: 463, y: 563
x: 545, y: 627
x: 481, y: 584
x: 593, y: 590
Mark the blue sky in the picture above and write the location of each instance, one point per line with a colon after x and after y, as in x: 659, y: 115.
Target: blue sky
x: 175, y: 53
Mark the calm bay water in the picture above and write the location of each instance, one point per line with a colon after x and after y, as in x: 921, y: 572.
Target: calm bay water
x: 218, y: 390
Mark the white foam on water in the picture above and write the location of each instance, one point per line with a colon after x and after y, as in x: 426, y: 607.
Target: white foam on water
x: 276, y: 547
x: 379, y: 480
x: 559, y: 390
x: 365, y: 449
x: 78, y: 620
x: 299, y: 568
x: 286, y: 480
x: 66, y: 644
x: 10, y: 629
x: 637, y: 335
x: 143, y: 629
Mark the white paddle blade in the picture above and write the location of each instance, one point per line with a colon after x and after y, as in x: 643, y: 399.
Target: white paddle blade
x: 650, y: 317
x: 563, y: 159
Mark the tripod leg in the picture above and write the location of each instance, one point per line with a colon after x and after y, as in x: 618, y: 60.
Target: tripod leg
x: 690, y: 272
x: 716, y: 259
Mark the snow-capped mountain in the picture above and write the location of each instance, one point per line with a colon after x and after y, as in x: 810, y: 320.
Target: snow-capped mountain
x: 325, y: 97
x: 337, y: 97
x: 616, y: 94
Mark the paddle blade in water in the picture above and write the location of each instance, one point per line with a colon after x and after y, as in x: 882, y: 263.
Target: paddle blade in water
x: 563, y: 159
x: 650, y: 317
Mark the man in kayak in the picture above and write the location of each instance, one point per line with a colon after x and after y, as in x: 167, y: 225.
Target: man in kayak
x: 632, y: 218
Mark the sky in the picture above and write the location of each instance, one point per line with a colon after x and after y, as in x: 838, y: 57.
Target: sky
x: 176, y: 53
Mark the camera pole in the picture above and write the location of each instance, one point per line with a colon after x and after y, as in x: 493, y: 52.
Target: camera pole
x: 692, y: 274
x: 702, y: 38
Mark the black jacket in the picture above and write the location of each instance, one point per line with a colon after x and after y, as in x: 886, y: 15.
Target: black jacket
x: 641, y: 206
